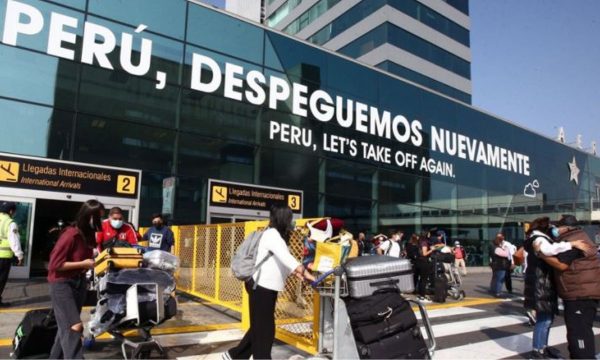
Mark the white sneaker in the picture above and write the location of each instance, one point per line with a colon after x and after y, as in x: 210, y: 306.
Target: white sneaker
x: 424, y: 299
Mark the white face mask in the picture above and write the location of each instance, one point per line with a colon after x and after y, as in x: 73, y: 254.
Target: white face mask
x: 116, y: 223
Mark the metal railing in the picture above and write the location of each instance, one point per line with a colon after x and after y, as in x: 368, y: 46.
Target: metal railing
x: 205, y: 253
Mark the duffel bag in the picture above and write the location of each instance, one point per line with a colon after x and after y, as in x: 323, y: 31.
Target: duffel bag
x: 375, y: 308
x: 407, y: 344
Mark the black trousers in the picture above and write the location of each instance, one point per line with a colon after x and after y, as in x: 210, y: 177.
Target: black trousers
x: 508, y: 280
x: 258, y: 340
x: 579, y: 319
x: 5, y: 265
x: 425, y: 270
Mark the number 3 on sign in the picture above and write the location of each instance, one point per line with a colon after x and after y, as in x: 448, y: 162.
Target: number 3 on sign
x: 294, y: 202
x: 126, y: 184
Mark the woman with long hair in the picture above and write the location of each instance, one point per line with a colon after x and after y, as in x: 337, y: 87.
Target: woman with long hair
x: 70, y: 258
x: 265, y: 284
x: 424, y: 267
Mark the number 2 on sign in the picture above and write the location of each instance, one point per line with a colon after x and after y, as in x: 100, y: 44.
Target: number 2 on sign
x: 126, y: 184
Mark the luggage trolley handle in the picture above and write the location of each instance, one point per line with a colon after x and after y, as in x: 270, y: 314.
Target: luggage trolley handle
x: 432, y: 343
x: 322, y: 278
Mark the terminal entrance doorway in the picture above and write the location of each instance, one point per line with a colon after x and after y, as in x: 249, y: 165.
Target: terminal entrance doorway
x: 47, y: 191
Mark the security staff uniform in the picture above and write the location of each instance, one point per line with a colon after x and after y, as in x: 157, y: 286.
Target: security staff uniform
x: 10, y: 246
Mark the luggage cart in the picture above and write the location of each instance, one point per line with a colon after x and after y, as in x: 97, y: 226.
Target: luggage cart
x: 143, y: 348
x: 336, y: 339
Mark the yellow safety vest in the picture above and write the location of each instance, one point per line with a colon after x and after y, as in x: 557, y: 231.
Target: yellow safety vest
x: 5, y: 250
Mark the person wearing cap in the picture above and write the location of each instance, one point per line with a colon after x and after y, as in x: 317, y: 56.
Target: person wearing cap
x: 577, y: 273
x: 460, y: 255
x: 10, y: 244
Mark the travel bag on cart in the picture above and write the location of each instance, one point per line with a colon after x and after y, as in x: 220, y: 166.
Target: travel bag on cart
x: 440, y: 288
x: 118, y: 258
x: 382, y: 314
x: 367, y: 274
x: 407, y: 344
x: 35, y: 335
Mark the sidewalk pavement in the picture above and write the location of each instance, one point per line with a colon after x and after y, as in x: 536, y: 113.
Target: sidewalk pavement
x: 199, y: 328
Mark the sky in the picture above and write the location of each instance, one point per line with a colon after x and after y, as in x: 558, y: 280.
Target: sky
x: 536, y: 63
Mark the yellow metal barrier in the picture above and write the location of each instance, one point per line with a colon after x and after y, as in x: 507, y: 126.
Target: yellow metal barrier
x: 205, y: 253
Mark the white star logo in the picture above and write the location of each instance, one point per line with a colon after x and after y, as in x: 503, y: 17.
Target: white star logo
x: 574, y: 171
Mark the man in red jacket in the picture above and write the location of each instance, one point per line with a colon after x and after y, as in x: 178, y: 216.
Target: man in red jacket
x: 115, y: 230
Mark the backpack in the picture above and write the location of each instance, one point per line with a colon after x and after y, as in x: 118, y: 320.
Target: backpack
x: 244, y: 263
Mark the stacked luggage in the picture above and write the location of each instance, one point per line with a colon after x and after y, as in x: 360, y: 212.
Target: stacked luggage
x: 134, y: 289
x: 383, y: 323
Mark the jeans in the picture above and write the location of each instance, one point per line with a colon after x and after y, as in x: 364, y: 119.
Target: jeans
x: 67, y: 299
x: 542, y: 330
x: 497, y: 281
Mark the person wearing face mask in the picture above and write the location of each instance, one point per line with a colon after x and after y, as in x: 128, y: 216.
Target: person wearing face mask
x: 72, y: 256
x: 540, y: 287
x: 577, y: 272
x: 159, y: 236
x: 115, y: 231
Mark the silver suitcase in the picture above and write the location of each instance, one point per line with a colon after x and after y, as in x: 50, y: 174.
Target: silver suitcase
x: 367, y: 274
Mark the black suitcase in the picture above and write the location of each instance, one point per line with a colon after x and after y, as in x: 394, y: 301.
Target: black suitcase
x: 408, y: 344
x: 440, y: 289
x: 382, y: 314
x: 35, y: 335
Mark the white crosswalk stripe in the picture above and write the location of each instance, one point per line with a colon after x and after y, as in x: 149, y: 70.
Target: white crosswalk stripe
x: 485, y: 333
x: 503, y: 347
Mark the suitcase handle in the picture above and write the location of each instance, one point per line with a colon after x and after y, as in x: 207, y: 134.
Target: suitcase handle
x: 427, y: 324
x: 385, y: 282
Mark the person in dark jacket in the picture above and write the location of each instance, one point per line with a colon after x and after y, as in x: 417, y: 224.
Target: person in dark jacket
x: 499, y: 263
x: 577, y: 272
x: 540, y: 288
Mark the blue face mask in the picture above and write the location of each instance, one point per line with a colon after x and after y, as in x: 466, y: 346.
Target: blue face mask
x: 555, y: 232
x: 116, y: 223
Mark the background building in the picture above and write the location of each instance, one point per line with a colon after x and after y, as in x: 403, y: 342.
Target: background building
x: 68, y: 109
x: 424, y: 41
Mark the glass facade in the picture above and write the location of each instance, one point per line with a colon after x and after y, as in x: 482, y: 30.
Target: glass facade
x: 464, y: 178
x: 426, y: 81
x: 310, y: 15
x: 412, y: 8
x: 389, y: 33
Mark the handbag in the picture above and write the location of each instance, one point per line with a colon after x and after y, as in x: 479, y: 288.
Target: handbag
x: 331, y: 253
x: 519, y: 256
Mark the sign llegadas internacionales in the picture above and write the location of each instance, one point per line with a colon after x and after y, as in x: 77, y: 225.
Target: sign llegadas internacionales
x: 57, y: 176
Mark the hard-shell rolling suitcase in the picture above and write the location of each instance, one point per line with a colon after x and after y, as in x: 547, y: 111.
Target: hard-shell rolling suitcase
x: 118, y: 258
x: 117, y: 263
x: 407, y: 344
x: 35, y: 335
x: 119, y: 252
x: 367, y: 274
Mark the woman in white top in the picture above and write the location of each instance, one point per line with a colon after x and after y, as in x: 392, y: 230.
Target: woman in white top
x: 266, y: 283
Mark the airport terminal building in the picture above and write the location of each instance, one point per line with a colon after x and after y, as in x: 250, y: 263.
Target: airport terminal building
x: 181, y: 91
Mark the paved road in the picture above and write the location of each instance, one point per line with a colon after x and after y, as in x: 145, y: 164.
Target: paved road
x: 479, y: 327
